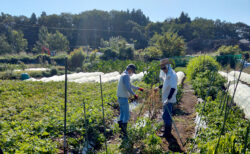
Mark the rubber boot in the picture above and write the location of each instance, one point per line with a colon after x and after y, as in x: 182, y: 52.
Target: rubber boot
x: 167, y: 131
x: 124, y: 130
x: 120, y: 126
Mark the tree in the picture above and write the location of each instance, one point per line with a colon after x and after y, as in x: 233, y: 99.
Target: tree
x: 33, y: 19
x: 229, y: 50
x: 170, y: 44
x: 152, y: 53
x: 184, y: 18
x: 42, y: 40
x: 16, y: 41
x: 58, y: 42
x: 4, y: 45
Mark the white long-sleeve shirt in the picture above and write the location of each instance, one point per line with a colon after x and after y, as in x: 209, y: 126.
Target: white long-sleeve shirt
x: 170, y: 81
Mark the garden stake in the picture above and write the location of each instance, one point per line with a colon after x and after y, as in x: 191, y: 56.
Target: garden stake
x: 86, y: 126
x: 237, y: 82
x: 103, y: 115
x: 223, y: 126
x: 65, y: 104
x: 175, y: 127
x: 225, y: 96
x: 228, y: 109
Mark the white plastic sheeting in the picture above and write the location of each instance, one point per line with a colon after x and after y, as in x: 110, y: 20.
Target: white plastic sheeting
x: 88, y: 77
x: 180, y: 76
x: 33, y: 69
x: 243, y: 77
x: 242, y: 95
x: 83, y: 77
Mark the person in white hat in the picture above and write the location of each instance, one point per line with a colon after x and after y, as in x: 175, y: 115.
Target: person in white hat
x: 169, y: 91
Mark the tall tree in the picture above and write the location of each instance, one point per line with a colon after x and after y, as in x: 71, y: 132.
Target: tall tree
x: 42, y: 40
x: 33, y: 19
x: 16, y: 40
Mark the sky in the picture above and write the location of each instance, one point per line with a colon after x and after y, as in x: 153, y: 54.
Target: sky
x: 157, y: 10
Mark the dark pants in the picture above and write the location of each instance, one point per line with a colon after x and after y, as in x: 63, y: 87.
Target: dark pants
x: 166, y: 117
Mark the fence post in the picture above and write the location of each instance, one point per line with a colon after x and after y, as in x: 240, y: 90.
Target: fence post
x: 65, y: 105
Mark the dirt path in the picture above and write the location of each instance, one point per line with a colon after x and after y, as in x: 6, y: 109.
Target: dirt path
x: 184, y: 115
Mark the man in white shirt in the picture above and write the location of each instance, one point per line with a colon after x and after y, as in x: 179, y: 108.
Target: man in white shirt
x: 169, y: 91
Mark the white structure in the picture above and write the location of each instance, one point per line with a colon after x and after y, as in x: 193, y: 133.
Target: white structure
x: 242, y: 95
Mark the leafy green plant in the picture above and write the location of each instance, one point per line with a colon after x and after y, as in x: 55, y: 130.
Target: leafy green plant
x: 208, y: 85
x: 201, y: 64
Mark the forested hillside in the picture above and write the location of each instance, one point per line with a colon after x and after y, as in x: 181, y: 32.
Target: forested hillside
x: 66, y: 31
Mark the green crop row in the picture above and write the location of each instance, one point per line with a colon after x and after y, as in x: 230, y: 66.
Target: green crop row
x: 209, y: 85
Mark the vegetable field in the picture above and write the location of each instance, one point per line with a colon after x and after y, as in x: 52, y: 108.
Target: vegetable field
x: 32, y: 113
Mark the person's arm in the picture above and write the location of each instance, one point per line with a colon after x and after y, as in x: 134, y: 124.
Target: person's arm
x: 126, y: 81
x: 173, y: 85
x: 172, y: 90
x: 134, y: 87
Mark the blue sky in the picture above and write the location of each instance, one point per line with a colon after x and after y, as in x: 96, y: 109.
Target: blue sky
x: 156, y: 10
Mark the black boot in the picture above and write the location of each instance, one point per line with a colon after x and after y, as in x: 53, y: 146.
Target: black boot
x: 167, y: 131
x: 120, y: 124
x: 124, y: 130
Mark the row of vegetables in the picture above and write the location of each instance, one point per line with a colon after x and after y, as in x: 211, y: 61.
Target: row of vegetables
x: 226, y: 127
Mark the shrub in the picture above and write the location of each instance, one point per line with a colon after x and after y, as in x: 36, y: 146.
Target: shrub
x: 201, y: 64
x: 76, y: 58
x: 152, y: 53
x: 53, y: 71
x: 126, y: 53
x: 78, y: 69
x: 109, y: 54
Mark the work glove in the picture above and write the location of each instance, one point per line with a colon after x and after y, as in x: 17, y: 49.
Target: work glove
x: 165, y: 102
x: 135, y: 97
x: 156, y: 89
x: 141, y: 89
